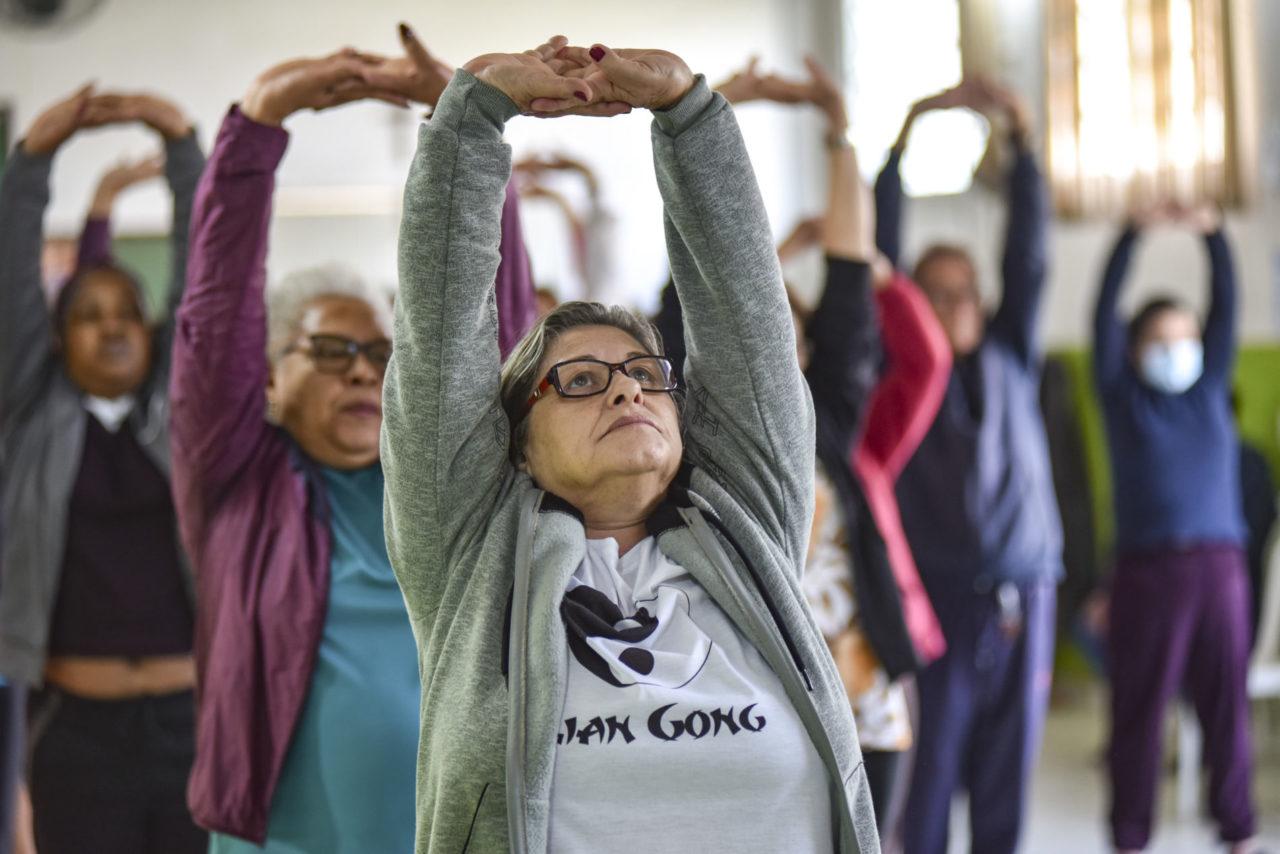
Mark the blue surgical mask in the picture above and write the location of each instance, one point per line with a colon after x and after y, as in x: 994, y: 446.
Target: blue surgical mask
x: 1173, y: 366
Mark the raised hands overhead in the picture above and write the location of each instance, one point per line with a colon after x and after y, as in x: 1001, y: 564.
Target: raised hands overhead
x: 86, y: 108
x: 318, y: 84
x: 645, y: 78
x: 981, y: 94
x: 121, y: 177
x: 1204, y: 217
x: 161, y: 115
x: 821, y: 89
x: 58, y: 123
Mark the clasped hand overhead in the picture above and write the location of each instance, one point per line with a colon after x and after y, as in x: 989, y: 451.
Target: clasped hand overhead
x: 553, y: 79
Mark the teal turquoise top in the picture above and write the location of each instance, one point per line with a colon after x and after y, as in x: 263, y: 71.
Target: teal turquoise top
x: 347, y: 786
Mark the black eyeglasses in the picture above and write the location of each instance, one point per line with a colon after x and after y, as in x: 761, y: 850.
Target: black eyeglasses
x: 335, y: 354
x: 587, y: 377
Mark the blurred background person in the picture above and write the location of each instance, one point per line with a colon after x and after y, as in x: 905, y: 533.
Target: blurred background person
x: 979, y: 510
x: 95, y: 608
x: 1180, y: 613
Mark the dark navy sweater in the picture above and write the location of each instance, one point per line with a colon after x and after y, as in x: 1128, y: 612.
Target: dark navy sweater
x: 1175, y: 463
x: 977, y: 498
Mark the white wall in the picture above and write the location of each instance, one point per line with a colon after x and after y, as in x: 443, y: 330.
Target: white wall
x: 205, y: 54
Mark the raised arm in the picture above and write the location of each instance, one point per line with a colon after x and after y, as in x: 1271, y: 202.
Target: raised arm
x: 843, y: 330
x: 220, y: 363
x: 1110, y: 340
x: 95, y: 238
x: 889, y: 203
x: 219, y: 368
x: 1220, y: 325
x: 750, y: 419
x: 907, y: 397
x: 1025, y: 264
x: 444, y: 433
x: 888, y: 187
x: 26, y: 340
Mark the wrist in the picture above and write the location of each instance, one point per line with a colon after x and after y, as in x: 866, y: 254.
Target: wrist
x: 257, y: 108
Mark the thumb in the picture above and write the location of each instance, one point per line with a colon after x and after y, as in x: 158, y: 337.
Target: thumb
x: 415, y: 49
x: 615, y: 68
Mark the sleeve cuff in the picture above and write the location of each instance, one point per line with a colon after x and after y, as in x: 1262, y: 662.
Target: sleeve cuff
x: 465, y: 90
x: 679, y: 117
x: 256, y: 145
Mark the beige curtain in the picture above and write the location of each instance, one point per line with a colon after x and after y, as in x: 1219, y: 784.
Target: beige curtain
x: 1141, y: 104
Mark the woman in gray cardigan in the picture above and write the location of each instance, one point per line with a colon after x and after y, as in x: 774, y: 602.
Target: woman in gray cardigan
x: 603, y: 575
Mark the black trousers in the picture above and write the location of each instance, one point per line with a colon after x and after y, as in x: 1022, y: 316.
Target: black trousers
x: 883, y: 768
x: 13, y: 714
x: 111, y: 776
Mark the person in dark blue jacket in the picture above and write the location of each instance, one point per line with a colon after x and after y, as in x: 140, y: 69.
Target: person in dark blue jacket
x: 980, y: 513
x: 1180, y: 594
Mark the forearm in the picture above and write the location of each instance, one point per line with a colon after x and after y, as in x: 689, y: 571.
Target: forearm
x: 219, y: 357
x: 1025, y: 262
x: 25, y: 338
x: 441, y: 395
x: 184, y: 162
x: 1109, y: 337
x: 95, y: 240
x: 741, y: 343
x: 1220, y: 325
x: 848, y: 223
x: 889, y: 202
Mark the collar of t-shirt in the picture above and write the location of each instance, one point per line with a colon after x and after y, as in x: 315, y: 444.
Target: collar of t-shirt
x: 110, y: 412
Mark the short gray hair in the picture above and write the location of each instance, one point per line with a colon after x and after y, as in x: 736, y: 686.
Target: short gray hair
x: 290, y: 298
x: 520, y: 375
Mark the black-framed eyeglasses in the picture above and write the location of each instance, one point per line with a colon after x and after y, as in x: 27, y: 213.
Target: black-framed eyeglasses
x: 588, y: 377
x: 335, y: 354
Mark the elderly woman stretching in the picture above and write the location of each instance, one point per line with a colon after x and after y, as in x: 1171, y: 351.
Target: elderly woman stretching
x: 308, y: 714
x: 615, y: 650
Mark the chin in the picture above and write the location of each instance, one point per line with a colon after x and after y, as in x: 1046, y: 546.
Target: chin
x: 645, y: 457
x: 360, y: 444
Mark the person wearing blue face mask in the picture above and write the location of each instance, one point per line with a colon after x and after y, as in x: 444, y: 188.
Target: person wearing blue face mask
x: 1180, y: 596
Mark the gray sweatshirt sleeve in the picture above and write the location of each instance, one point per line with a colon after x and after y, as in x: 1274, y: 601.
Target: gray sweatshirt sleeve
x: 26, y: 338
x: 750, y: 420
x: 444, y: 434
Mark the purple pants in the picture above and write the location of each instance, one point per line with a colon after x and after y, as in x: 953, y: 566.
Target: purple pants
x: 1179, y: 620
x: 982, y: 708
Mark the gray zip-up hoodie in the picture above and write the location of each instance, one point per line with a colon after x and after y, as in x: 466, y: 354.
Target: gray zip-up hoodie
x: 484, y: 556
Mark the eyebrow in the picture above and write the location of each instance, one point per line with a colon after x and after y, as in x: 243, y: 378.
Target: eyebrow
x: 630, y: 355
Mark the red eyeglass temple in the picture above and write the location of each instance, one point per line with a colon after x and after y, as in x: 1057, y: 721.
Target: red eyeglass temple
x: 537, y: 393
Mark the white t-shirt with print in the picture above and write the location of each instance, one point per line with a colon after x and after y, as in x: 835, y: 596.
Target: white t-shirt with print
x: 676, y: 736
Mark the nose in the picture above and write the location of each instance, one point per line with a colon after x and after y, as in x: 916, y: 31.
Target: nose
x: 363, y: 371
x: 624, y: 389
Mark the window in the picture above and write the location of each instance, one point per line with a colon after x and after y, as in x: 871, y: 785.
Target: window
x: 896, y: 53
x: 1140, y: 104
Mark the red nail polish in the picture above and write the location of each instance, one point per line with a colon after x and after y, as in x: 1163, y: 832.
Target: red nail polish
x: 580, y: 96
x: 597, y: 53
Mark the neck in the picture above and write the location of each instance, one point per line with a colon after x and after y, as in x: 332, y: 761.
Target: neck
x: 620, y: 509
